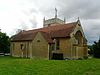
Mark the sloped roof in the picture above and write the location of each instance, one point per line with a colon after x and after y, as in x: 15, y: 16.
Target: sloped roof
x: 61, y: 30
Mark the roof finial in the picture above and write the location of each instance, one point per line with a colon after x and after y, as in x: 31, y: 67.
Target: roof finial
x: 78, y: 18
x: 44, y: 21
x: 64, y: 19
x: 44, y: 18
x: 55, y: 13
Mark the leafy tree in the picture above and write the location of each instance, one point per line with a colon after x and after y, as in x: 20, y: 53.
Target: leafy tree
x: 96, y: 49
x: 90, y: 52
x: 4, y: 43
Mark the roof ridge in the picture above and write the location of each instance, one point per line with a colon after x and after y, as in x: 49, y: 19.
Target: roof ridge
x: 61, y: 30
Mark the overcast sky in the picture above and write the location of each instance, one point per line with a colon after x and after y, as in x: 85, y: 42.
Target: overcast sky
x: 29, y: 14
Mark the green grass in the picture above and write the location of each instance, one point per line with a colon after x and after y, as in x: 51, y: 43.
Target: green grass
x: 18, y: 66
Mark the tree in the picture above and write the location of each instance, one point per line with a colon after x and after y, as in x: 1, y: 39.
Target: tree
x: 96, y: 49
x: 4, y: 43
x: 90, y: 51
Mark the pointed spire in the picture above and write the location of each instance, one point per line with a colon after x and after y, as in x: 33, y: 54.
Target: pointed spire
x: 78, y: 19
x: 64, y: 19
x: 55, y: 12
x: 44, y: 19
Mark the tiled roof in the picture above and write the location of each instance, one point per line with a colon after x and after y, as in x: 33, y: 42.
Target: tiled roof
x: 61, y: 30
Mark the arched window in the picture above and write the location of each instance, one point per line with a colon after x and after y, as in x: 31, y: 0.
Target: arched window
x: 79, y: 37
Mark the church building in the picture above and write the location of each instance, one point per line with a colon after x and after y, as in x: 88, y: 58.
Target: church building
x: 56, y: 40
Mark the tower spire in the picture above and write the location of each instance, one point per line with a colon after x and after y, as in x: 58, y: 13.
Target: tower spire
x: 44, y: 21
x: 55, y: 12
x: 64, y: 20
x: 44, y: 18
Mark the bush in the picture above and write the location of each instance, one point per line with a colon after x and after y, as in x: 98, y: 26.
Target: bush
x: 80, y: 58
x: 85, y: 57
x: 96, y: 49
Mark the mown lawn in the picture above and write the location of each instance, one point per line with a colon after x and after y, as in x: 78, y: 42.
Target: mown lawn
x: 18, y: 66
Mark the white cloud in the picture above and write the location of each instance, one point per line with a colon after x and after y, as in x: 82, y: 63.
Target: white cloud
x: 28, y: 14
x: 13, y: 13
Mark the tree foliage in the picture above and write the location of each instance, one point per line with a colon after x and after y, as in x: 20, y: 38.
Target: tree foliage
x: 4, y: 43
x: 90, y: 51
x: 96, y: 49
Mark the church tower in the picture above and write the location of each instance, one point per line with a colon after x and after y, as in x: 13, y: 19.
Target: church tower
x: 53, y: 21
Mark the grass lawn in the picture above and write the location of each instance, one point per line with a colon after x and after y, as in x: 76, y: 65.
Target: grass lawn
x: 18, y: 66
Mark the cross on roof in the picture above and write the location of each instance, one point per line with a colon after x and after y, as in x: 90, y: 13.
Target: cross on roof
x: 55, y: 13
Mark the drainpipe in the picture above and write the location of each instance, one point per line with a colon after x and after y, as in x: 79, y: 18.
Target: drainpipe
x: 48, y: 51
x: 71, y: 48
x: 30, y: 48
x: 27, y: 49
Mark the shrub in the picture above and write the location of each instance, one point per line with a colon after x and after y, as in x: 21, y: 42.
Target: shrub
x: 85, y: 57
